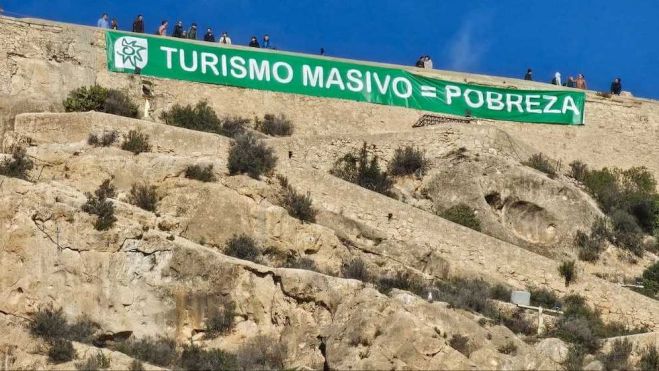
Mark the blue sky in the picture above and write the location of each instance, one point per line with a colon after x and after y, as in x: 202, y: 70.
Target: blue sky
x: 600, y: 38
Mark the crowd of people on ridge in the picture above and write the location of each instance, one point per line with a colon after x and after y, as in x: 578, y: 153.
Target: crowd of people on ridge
x: 578, y: 83
x: 180, y: 31
x: 424, y: 61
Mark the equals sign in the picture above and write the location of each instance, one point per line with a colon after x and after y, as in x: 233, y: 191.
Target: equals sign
x: 428, y: 91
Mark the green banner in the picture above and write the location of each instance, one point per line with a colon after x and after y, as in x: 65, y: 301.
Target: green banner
x: 321, y: 77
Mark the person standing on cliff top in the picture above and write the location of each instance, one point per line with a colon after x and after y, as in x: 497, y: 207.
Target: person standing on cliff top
x: 209, y: 35
x: 178, y: 30
x: 138, y: 24
x: 580, y: 83
x: 529, y: 75
x: 192, y: 32
x: 557, y: 79
x: 419, y: 62
x: 427, y: 62
x: 571, y: 83
x: 225, y: 39
x: 254, y: 43
x: 266, y: 42
x: 115, y: 24
x: 103, y: 22
x: 616, y: 86
x: 162, y: 30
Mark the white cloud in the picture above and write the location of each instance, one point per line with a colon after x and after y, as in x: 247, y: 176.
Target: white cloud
x: 469, y: 45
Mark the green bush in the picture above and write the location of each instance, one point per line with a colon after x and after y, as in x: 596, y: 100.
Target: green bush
x: 463, y: 293
x: 508, y: 348
x: 302, y: 263
x: 539, y: 162
x: 462, y: 214
x: 356, y: 269
x: 251, y: 156
x: 575, y: 358
x: 99, y: 205
x: 94, y: 362
x: 568, y: 272
x: 18, y: 165
x: 359, y: 169
x: 262, y: 353
x: 298, y: 205
x: 222, y: 321
x: 158, y: 351
x: 97, y: 98
x: 408, y: 161
x: 618, y: 357
x: 649, y: 359
x: 401, y: 281
x: 627, y: 233
x: 277, y: 126
x: 650, y: 280
x: 200, y: 173
x: 500, y: 292
x: 517, y: 323
x: 49, y: 324
x: 86, y: 99
x: 118, y: 103
x: 105, y: 140
x: 243, y: 247
x: 202, y: 117
x: 144, y: 196
x: 578, y: 170
x: 194, y: 358
x: 542, y: 297
x: 461, y: 344
x: 589, y: 248
x: 136, y: 142
x: 61, y: 351
x: 136, y: 365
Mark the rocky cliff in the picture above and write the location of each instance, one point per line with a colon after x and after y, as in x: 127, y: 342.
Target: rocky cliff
x: 165, y: 273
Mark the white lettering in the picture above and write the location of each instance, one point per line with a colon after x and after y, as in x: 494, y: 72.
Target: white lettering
x: 406, y: 83
x: 383, y: 86
x: 452, y: 91
x: 315, y: 79
x: 569, y: 105
x: 517, y: 102
x: 552, y: 101
x: 209, y: 60
x: 494, y: 103
x: 169, y: 52
x: 334, y: 78
x: 262, y: 73
x: 277, y: 76
x: 369, y: 88
x: 354, y: 81
x: 224, y: 65
x: 194, y: 61
x: 530, y: 105
x: 238, y: 69
x: 471, y: 103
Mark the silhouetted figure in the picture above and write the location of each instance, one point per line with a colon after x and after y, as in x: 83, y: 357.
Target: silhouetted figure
x: 529, y: 75
x: 322, y: 51
x: 557, y: 79
x: 419, y: 62
x: 225, y: 39
x: 580, y: 82
x: 114, y: 25
x: 427, y: 62
x: 209, y: 35
x: 103, y: 22
x: 192, y: 32
x: 254, y: 43
x: 178, y: 30
x: 571, y: 82
x: 138, y: 24
x: 616, y: 86
x: 162, y: 30
x: 266, y: 42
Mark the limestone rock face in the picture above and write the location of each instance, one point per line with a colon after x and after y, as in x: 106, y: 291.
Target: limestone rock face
x: 165, y: 273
